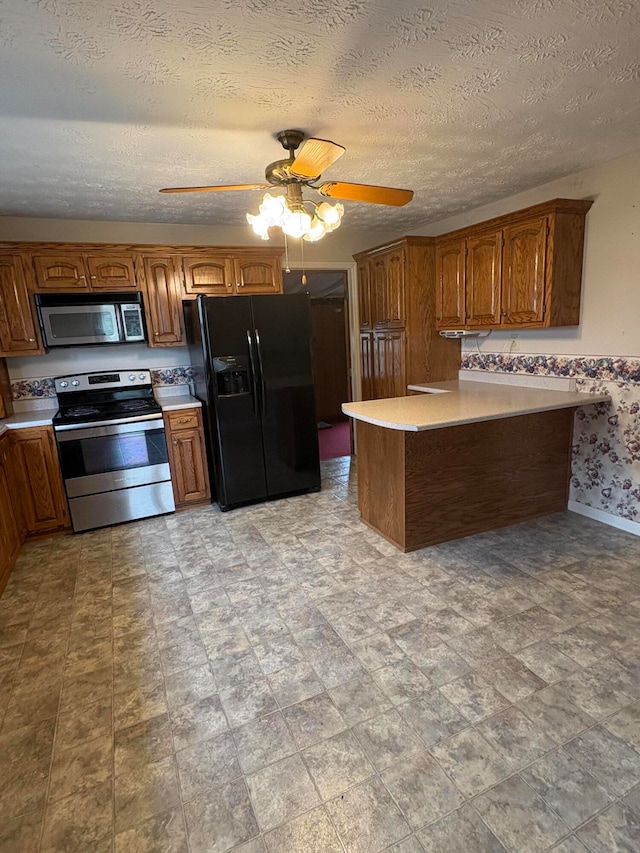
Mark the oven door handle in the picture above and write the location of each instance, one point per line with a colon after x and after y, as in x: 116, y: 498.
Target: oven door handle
x: 119, y: 426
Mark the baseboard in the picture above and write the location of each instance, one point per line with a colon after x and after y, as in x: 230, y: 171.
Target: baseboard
x: 605, y: 517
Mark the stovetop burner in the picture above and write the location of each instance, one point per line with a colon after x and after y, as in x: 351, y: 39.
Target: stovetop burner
x: 80, y: 411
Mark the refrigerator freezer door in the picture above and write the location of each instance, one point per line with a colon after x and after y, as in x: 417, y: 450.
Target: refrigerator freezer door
x: 237, y: 436
x: 282, y: 327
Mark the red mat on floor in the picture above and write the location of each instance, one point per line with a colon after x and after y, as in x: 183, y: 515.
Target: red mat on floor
x: 335, y: 441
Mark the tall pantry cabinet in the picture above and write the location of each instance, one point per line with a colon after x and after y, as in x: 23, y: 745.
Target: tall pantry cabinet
x: 399, y: 344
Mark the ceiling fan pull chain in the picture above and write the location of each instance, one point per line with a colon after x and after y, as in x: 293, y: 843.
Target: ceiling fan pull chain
x: 286, y: 254
x: 304, y: 275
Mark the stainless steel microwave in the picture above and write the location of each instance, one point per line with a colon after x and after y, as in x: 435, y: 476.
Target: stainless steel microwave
x: 70, y: 320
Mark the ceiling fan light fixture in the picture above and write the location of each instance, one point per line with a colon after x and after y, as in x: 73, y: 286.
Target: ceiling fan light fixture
x: 297, y: 223
x: 330, y: 214
x: 316, y: 232
x: 260, y: 225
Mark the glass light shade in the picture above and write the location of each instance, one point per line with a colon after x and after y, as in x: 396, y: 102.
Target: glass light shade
x: 331, y: 214
x: 297, y: 223
x: 259, y: 224
x: 274, y: 208
x: 317, y: 230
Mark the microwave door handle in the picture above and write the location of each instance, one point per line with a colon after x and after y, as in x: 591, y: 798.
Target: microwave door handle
x: 254, y: 380
x: 122, y: 334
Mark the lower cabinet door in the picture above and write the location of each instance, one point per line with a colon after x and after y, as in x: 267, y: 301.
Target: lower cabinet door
x: 366, y: 365
x: 188, y: 462
x: 43, y: 499
x: 10, y: 534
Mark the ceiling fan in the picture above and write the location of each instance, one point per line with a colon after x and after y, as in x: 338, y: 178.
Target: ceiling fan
x: 304, y: 170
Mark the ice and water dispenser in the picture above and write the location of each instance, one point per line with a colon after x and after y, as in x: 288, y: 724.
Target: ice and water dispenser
x: 232, y: 375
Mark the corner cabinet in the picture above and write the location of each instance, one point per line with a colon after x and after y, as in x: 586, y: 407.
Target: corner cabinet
x: 398, y: 341
x: 521, y: 270
x: 187, y: 456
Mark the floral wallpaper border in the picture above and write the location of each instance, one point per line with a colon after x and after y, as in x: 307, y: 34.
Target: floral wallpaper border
x: 605, y: 471
x: 613, y: 369
x: 35, y: 389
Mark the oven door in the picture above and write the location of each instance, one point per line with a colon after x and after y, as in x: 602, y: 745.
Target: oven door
x: 70, y: 325
x: 112, y: 456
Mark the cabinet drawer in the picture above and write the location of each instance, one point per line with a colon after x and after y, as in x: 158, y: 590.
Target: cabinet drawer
x: 184, y: 419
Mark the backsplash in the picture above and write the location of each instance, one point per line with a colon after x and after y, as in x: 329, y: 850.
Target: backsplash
x: 606, y: 437
x: 36, y: 389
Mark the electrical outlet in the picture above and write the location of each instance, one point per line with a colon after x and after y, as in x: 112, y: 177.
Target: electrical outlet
x: 515, y: 343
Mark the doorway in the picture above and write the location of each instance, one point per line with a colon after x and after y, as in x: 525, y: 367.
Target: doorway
x: 330, y: 353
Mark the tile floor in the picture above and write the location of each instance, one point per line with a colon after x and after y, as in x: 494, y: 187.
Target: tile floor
x: 281, y: 679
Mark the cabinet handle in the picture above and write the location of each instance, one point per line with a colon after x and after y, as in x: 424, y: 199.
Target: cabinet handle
x: 156, y: 334
x: 229, y: 284
x: 93, y: 276
x: 32, y: 340
x: 503, y: 313
x: 438, y: 318
x: 183, y: 421
x: 240, y: 284
x: 175, y: 440
x: 80, y: 276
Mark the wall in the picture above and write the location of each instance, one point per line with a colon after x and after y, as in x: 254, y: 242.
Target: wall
x: 603, y: 352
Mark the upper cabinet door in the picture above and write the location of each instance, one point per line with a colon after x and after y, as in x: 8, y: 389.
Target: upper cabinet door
x: 394, y: 310
x: 163, y: 301
x: 111, y: 272
x: 364, y: 296
x: 484, y: 279
x: 258, y: 275
x: 60, y: 272
x: 524, y: 270
x: 450, y: 285
x: 212, y: 276
x: 18, y: 334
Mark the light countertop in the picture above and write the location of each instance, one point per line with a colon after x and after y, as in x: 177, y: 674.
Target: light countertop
x: 445, y: 404
x: 38, y: 417
x: 171, y: 402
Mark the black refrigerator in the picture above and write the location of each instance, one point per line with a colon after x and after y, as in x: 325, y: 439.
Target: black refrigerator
x: 251, y: 363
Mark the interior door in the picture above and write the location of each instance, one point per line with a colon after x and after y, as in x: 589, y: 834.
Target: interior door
x: 330, y: 368
x: 289, y: 424
x: 233, y: 412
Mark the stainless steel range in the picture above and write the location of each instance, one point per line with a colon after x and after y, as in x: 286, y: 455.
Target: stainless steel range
x: 112, y: 448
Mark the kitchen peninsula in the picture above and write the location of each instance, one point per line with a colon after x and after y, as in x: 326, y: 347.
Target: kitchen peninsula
x: 462, y: 458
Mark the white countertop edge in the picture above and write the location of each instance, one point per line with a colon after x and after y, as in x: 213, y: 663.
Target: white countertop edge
x: 171, y: 403
x: 496, y: 416
x: 425, y: 416
x: 22, y: 420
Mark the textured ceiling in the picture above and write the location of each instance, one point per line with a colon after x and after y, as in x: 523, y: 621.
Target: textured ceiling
x: 102, y: 102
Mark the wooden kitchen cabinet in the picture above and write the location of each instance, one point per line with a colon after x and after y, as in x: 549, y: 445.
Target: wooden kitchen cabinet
x: 450, y: 284
x: 389, y: 364
x: 187, y: 456
x: 520, y: 270
x: 366, y: 365
x: 11, y: 527
x: 19, y: 333
x: 233, y: 275
x: 399, y: 344
x: 43, y: 499
x: 163, y: 300
x: 66, y: 273
x: 483, y: 279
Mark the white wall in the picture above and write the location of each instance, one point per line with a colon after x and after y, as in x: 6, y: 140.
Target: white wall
x: 610, y: 313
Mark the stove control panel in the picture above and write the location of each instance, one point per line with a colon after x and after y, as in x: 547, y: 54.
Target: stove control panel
x: 95, y: 381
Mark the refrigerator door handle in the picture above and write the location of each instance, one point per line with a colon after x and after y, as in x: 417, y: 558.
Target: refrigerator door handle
x: 262, y: 382
x: 254, y: 380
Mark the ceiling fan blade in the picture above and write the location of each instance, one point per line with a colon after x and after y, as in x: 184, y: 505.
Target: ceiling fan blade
x: 365, y: 192
x: 315, y: 156
x: 219, y: 189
